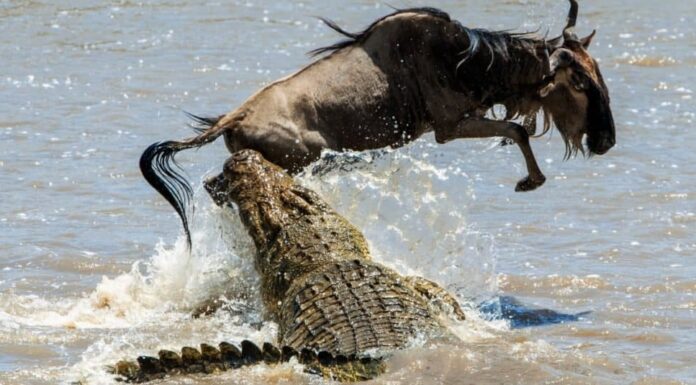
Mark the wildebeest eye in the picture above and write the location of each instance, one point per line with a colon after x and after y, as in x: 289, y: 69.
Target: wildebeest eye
x: 578, y: 82
x: 561, y: 58
x: 565, y: 56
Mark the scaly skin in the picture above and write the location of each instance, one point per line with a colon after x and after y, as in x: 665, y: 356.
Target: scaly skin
x: 317, y: 281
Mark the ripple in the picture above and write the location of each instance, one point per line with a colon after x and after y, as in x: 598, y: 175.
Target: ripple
x: 641, y: 60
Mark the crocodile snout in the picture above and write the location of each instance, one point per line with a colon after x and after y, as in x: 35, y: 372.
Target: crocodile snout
x: 246, y: 156
x: 217, y: 188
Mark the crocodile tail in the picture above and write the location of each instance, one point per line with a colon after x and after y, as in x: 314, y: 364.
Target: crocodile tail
x: 210, y: 359
x: 344, y: 368
x: 159, y: 167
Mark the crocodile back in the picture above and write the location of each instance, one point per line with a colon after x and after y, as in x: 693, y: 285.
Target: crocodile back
x: 351, y: 307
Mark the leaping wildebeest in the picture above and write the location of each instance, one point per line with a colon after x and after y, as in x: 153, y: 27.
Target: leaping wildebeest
x: 411, y: 72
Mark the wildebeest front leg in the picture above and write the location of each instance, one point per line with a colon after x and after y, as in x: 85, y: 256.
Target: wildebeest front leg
x: 484, y: 128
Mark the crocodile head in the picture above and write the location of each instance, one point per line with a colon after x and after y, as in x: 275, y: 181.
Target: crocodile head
x: 257, y: 187
x: 294, y: 230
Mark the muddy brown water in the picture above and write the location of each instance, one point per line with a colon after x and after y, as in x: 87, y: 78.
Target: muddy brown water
x: 92, y: 262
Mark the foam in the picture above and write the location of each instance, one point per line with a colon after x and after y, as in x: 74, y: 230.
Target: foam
x: 412, y: 208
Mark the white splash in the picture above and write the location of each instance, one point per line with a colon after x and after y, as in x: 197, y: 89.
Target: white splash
x: 413, y: 212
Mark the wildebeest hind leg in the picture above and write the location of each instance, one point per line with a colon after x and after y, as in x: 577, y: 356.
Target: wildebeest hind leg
x: 484, y: 128
x: 288, y: 147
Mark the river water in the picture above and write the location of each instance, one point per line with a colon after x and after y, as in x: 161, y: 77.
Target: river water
x: 93, y: 266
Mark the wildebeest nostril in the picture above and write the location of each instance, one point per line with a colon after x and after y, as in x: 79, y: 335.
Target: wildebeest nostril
x: 603, y: 147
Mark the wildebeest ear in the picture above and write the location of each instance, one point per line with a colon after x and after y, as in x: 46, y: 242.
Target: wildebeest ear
x: 586, y: 41
x: 555, y: 43
x: 562, y: 58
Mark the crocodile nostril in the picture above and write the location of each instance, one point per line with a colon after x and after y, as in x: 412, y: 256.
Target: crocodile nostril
x: 217, y: 188
x: 247, y: 155
x: 241, y: 155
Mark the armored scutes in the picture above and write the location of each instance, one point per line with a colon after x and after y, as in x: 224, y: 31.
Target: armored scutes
x: 335, y: 307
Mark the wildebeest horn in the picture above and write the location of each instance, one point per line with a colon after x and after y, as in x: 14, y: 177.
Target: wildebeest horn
x: 569, y: 30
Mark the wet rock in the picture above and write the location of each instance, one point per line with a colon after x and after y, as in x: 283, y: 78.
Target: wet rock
x: 192, y: 360
x: 150, y: 365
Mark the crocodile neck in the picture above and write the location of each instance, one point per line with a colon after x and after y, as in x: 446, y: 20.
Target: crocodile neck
x: 294, y: 231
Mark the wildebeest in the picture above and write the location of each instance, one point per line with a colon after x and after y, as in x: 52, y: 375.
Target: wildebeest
x: 411, y: 72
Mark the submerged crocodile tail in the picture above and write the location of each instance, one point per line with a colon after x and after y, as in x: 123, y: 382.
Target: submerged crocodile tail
x: 346, y: 369
x: 211, y: 359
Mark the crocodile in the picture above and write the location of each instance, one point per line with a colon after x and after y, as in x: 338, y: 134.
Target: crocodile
x: 339, y: 312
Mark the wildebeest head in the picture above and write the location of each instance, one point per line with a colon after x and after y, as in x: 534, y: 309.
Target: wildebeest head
x: 576, y: 96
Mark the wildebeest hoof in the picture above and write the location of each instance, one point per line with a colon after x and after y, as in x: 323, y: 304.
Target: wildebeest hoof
x: 529, y: 184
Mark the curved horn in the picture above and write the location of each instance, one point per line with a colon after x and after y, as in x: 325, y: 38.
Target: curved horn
x: 569, y: 30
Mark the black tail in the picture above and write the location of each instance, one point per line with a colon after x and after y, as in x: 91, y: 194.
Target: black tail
x: 156, y: 166
x: 163, y: 173
x: 211, y: 359
x: 202, y: 124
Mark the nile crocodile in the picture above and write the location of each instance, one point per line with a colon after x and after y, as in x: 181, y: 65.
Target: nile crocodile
x: 337, y: 310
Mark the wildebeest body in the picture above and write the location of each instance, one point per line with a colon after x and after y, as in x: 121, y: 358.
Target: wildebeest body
x: 354, y: 99
x: 410, y: 72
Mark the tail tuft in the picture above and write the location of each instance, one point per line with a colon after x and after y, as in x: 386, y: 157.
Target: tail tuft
x: 161, y: 170
x: 202, y: 124
x: 163, y: 173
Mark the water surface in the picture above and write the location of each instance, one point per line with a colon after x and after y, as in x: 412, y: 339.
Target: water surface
x: 93, y: 266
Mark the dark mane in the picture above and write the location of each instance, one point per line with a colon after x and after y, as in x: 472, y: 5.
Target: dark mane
x: 488, y: 71
x: 483, y: 60
x: 497, y: 43
x: 353, y: 38
x: 486, y: 62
